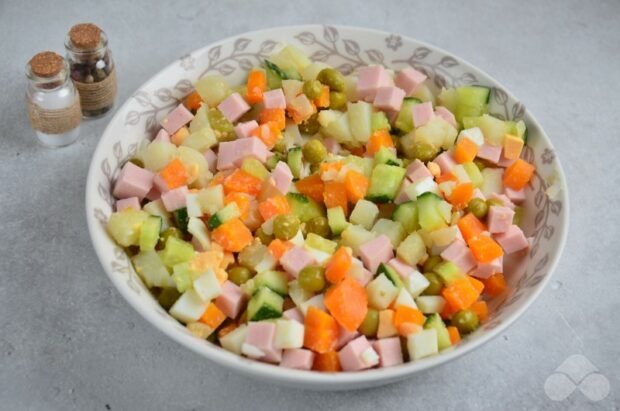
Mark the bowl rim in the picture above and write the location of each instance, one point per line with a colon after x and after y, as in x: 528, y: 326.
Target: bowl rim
x: 294, y: 377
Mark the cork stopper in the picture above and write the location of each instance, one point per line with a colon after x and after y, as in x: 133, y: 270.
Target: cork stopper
x: 85, y: 36
x: 46, y: 64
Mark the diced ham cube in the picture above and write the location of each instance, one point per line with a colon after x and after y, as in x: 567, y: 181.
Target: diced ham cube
x: 133, y: 181
x: 389, y: 98
x: 294, y: 314
x: 485, y: 270
x: 131, y: 202
x: 402, y: 195
x: 422, y: 113
x: 512, y: 240
x: 175, y: 199
x: 231, y: 300
x: 162, y: 137
x: 176, y: 119
x: 344, y: 336
x: 233, y: 107
x: 244, y: 130
x: 359, y: 272
x: 416, y: 171
x: 274, y: 99
x: 295, y: 260
x: 445, y: 161
x: 446, y: 115
x: 389, y: 350
x: 369, y: 80
x: 504, y: 199
x: 403, y: 270
x: 232, y: 153
x: 160, y: 184
x: 376, y: 251
x: 516, y: 196
x: 409, y: 79
x: 351, y: 356
x: 489, y: 153
x: 211, y: 158
x: 505, y: 162
x: 153, y: 194
x: 478, y: 194
x: 197, y: 245
x: 297, y: 358
x: 282, y: 177
x: 458, y: 253
x: 499, y: 219
x: 262, y: 336
x: 332, y: 145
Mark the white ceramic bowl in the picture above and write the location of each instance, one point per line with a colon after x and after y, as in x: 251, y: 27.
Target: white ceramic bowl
x: 346, y: 48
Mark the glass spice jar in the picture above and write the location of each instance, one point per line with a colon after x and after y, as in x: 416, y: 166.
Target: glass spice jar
x: 92, y: 68
x: 53, y: 102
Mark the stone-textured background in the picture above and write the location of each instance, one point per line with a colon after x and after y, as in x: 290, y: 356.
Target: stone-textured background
x: 68, y: 340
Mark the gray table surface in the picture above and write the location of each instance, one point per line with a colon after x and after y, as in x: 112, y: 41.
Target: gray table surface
x: 69, y: 341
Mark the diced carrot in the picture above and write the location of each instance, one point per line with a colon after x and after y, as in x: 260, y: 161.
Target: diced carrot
x: 277, y: 248
x: 320, y: 331
x: 213, y: 316
x: 174, y: 174
x: 465, y: 151
x: 338, y: 266
x: 470, y: 226
x: 447, y: 312
x: 405, y: 329
x: 378, y: 139
x: 484, y: 248
x: 518, y: 174
x: 273, y: 206
x: 179, y: 136
x: 495, y: 285
x: 323, y: 100
x: 460, y: 294
x: 269, y: 133
x: 481, y: 309
x: 233, y: 235
x: 256, y: 85
x: 327, y: 362
x: 330, y: 166
x: 461, y: 195
x: 404, y: 314
x: 227, y: 329
x: 242, y: 182
x: 445, y: 177
x: 477, y: 284
x: 348, y: 303
x: 335, y: 195
x: 218, y: 178
x: 273, y: 114
x: 455, y: 335
x: 241, y: 199
x: 356, y: 185
x: 312, y: 186
x: 193, y: 101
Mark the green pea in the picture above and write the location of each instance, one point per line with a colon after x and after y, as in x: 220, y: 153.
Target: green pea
x: 169, y: 232
x: 431, y: 263
x: 218, y: 122
x: 478, y: 207
x: 369, y: 326
x: 137, y: 162
x: 239, y: 274
x: 319, y: 226
x: 337, y: 100
x: 280, y: 146
x: 311, y: 125
x: 314, y: 151
x: 466, y: 321
x: 312, y: 278
x: 495, y: 202
x: 312, y: 89
x: 285, y: 226
x: 264, y: 238
x: 480, y: 164
x: 332, y: 78
x: 435, y: 286
x: 424, y: 151
x: 168, y: 297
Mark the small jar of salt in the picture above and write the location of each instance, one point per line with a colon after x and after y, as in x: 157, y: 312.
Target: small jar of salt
x: 92, y: 68
x: 52, y: 100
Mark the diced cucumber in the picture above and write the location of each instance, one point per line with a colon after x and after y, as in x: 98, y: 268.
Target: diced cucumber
x: 197, y: 228
x: 274, y: 75
x: 200, y: 140
x: 176, y: 251
x: 391, y: 275
x: 422, y: 344
x: 317, y: 242
x: 354, y: 236
x: 360, y: 121
x: 158, y: 154
x: 336, y: 220
x: 447, y: 98
x: 379, y: 121
x: 475, y: 176
x: 362, y: 164
x: 387, y: 156
x: 423, y: 93
x: 254, y: 167
x: 429, y: 216
x: 435, y: 322
x: 471, y: 122
x: 182, y: 276
x: 404, y: 120
x: 124, y: 226
x: 448, y: 271
x: 407, y: 214
x: 493, y: 129
x: 213, y: 89
x: 167, y: 297
x: 276, y: 280
x: 384, y: 183
x: 181, y: 218
x: 291, y: 60
x: 156, y: 208
x: 265, y: 304
x: 227, y: 213
x: 430, y: 304
x: 200, y: 120
x: 273, y: 161
x: 471, y: 101
x: 295, y: 161
x: 412, y: 249
x: 364, y: 213
x: 339, y: 128
x: 392, y: 229
x: 304, y: 207
x: 151, y: 269
x: 211, y: 199
x: 149, y: 233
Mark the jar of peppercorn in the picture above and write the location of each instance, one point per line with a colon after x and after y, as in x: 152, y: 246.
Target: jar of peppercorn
x: 92, y: 68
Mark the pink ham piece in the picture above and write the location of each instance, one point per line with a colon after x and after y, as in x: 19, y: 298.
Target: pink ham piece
x: 160, y: 184
x: 445, y: 161
x: 162, y: 137
x: 416, y: 171
x: 389, y: 98
x: 294, y: 314
x: 389, y: 350
x: 409, y: 79
x: 422, y: 113
x: 351, y: 355
x: 489, y: 153
x: 131, y: 202
x: 233, y: 107
x: 485, y: 270
x: 402, y: 196
x: 197, y: 245
x: 274, y: 99
x: 175, y: 199
x: 332, y: 145
x: 262, y: 336
x: 232, y: 153
x: 478, y: 194
x: 231, y: 300
x: 458, y: 253
x: 176, y: 119
x: 505, y: 162
x: 446, y: 115
x: 297, y: 358
x: 504, y: 199
x: 516, y: 196
x: 133, y: 181
x: 369, y: 80
x: 295, y: 260
x: 499, y: 219
x: 244, y: 130
x: 153, y: 194
x: 211, y: 158
x: 360, y: 273
x: 403, y: 270
x: 512, y: 240
x: 344, y: 336
x: 282, y: 177
x: 376, y: 251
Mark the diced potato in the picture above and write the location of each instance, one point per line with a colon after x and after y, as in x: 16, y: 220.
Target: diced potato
x: 213, y: 89
x: 412, y: 250
x: 158, y: 155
